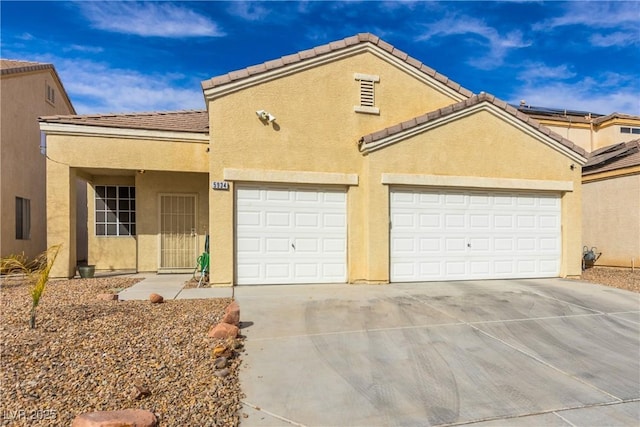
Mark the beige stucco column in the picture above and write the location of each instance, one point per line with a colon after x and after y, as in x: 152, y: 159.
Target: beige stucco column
x: 221, y: 236
x: 61, y: 217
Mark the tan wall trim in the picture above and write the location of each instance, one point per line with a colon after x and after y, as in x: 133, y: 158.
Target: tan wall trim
x: 617, y: 173
x: 298, y: 177
x: 475, y: 182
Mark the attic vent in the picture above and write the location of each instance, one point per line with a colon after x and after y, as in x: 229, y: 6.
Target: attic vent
x: 51, y: 95
x: 367, y: 93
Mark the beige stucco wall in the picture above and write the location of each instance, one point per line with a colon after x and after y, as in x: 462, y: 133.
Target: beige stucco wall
x: 109, y: 252
x: 317, y: 130
x: 102, y: 159
x: 22, y: 167
x: 481, y: 145
x: 149, y: 187
x: 611, y: 220
x: 579, y: 134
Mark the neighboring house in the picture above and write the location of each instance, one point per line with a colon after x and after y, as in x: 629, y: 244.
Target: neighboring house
x: 611, y: 179
x: 350, y: 162
x: 588, y: 130
x: 28, y: 90
x: 611, y: 204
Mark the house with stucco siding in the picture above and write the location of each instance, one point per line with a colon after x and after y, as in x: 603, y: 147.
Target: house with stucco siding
x: 27, y: 90
x: 351, y: 162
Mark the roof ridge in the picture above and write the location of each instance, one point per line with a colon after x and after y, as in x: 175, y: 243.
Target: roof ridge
x: 473, y: 100
x: 333, y: 46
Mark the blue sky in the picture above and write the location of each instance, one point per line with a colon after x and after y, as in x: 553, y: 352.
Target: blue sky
x: 151, y: 56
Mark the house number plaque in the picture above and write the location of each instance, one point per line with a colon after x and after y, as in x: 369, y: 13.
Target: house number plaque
x: 220, y: 185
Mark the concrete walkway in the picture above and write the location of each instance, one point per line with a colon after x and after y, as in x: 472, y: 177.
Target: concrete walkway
x: 170, y: 286
x: 547, y: 352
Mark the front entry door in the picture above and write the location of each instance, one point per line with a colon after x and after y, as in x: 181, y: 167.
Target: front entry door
x: 178, y: 233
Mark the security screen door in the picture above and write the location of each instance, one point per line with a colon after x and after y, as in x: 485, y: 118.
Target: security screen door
x: 178, y: 232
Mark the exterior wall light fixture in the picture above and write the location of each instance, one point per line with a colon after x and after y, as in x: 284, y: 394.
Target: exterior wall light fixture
x: 265, y: 116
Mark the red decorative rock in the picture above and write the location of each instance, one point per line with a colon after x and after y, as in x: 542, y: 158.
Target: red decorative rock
x: 223, y: 331
x: 108, y: 297
x: 156, y: 299
x: 232, y: 314
x: 124, y: 418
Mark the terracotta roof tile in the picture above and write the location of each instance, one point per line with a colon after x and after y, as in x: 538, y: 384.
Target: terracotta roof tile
x: 338, y: 44
x: 475, y: 99
x: 325, y: 49
x: 177, y: 121
x: 13, y: 66
x: 615, y: 116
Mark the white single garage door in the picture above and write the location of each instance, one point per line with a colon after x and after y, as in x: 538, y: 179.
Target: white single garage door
x: 446, y: 234
x: 290, y: 235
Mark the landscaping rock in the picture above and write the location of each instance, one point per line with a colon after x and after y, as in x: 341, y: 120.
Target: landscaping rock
x: 232, y: 314
x: 124, y: 418
x: 86, y: 354
x: 223, y: 331
x: 108, y: 297
x: 220, y: 362
x: 222, y: 351
x: 221, y: 373
x: 138, y: 391
x: 156, y: 299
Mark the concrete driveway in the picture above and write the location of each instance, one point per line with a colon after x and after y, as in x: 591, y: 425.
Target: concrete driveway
x: 547, y: 352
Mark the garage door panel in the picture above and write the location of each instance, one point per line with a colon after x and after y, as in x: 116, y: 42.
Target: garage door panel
x: 334, y: 221
x: 290, y: 235
x: 428, y: 245
x: 277, y: 219
x: 249, y: 218
x: 249, y: 245
x: 471, y: 234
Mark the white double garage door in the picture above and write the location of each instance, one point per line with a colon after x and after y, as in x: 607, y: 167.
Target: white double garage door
x: 299, y: 234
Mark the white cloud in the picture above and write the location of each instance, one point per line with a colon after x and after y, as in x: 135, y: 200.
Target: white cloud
x: 97, y: 88
x: 157, y: 19
x: 249, y: 11
x: 81, y: 48
x: 537, y: 71
x: 614, y: 39
x: 596, y: 14
x: 25, y: 37
x: 498, y: 45
x: 619, y: 17
x: 607, y: 94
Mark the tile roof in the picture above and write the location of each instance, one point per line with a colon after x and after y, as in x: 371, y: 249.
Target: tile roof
x: 194, y: 121
x: 328, y: 48
x: 612, y: 116
x: 613, y: 157
x: 475, y: 99
x: 12, y: 66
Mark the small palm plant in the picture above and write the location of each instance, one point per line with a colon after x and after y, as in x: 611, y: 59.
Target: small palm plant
x: 36, y: 273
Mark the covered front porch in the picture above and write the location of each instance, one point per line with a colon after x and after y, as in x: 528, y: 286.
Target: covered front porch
x: 147, y: 192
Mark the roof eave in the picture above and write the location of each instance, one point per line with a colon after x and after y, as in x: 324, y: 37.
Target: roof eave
x: 287, y: 65
x: 50, y: 128
x: 546, y: 136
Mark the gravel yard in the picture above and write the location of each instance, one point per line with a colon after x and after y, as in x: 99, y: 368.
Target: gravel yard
x: 88, y: 355
x: 622, y: 278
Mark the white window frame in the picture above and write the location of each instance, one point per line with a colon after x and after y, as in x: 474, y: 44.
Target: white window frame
x: 106, y: 211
